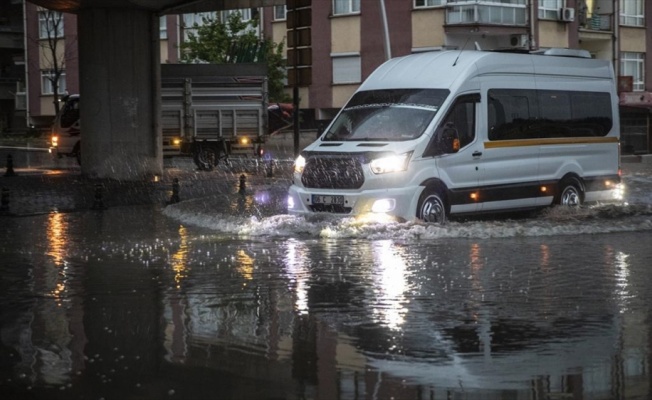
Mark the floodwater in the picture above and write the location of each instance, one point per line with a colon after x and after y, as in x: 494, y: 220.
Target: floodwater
x: 245, y: 302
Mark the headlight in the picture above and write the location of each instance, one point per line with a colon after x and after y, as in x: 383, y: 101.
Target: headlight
x: 55, y: 141
x: 176, y: 142
x: 392, y: 163
x: 299, y: 164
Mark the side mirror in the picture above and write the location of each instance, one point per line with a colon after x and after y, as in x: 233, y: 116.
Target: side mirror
x: 450, y: 140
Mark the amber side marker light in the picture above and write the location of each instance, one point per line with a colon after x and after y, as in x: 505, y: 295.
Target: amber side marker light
x: 475, y: 196
x: 544, y: 189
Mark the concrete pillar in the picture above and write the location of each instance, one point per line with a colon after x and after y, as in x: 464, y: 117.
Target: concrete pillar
x: 119, y: 65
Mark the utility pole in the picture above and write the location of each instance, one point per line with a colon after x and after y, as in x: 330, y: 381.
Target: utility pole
x: 299, y: 20
x: 388, y: 45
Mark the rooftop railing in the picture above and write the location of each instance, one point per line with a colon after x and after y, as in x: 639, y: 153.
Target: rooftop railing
x: 486, y: 12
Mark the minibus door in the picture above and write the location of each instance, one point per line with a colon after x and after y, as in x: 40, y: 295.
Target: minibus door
x: 459, y: 163
x: 510, y: 161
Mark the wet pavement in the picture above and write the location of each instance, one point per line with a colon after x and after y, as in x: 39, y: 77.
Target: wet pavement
x: 30, y: 191
x: 223, y: 296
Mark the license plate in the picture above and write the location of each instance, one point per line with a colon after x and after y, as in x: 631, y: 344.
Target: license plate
x: 327, y: 199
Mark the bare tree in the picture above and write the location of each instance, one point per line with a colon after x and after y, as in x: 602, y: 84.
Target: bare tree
x: 54, y: 50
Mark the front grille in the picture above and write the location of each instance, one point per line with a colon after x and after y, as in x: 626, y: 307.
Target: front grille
x: 332, y: 172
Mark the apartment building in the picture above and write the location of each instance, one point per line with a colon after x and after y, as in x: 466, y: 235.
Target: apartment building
x: 12, y: 68
x: 350, y: 38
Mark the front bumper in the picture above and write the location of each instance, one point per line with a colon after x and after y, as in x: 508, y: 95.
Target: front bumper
x: 403, y: 200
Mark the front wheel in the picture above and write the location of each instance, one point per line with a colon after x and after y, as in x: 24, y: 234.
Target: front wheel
x: 433, y: 206
x: 570, y: 193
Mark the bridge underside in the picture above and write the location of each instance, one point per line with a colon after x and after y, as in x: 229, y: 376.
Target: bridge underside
x: 119, y: 69
x: 158, y: 6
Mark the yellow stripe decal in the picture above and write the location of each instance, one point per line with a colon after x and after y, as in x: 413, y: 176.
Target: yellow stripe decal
x: 549, y: 142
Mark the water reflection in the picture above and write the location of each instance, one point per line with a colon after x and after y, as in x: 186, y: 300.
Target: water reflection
x: 204, y: 316
x: 179, y: 258
x: 391, y: 283
x: 297, y: 263
x: 57, y: 235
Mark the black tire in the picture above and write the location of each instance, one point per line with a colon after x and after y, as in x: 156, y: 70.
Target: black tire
x: 570, y: 193
x: 206, y: 158
x: 433, y: 206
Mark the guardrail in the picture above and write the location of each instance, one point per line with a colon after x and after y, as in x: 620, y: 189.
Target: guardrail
x: 33, y: 157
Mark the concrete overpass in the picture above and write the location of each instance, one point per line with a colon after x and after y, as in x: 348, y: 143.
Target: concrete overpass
x: 119, y: 70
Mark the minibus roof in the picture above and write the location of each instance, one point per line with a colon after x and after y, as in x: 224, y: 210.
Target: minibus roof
x: 447, y: 69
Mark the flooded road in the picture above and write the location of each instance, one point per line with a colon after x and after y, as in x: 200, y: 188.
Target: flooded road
x: 245, y: 302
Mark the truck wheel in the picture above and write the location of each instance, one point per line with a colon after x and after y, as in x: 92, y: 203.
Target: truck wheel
x: 570, y: 193
x: 432, y: 206
x: 206, y: 158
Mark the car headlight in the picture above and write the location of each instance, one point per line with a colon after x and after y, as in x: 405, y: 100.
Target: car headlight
x: 390, y: 163
x: 299, y: 164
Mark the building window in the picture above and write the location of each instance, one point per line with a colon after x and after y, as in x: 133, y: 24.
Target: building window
x: 21, y: 96
x: 245, y: 14
x: 47, y: 77
x: 341, y: 7
x: 280, y: 13
x: 549, y: 9
x: 631, y: 13
x: 50, y: 24
x: 632, y: 64
x: 192, y: 21
x: 347, y: 68
x: 163, y: 27
x: 428, y: 3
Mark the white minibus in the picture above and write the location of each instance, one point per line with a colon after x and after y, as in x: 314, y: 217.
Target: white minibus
x: 65, y: 139
x: 439, y: 134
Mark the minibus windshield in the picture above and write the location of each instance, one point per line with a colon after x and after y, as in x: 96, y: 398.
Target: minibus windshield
x: 386, y: 115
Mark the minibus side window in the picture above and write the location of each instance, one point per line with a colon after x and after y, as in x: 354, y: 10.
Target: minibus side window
x: 460, y: 118
x: 510, y: 113
x: 537, y: 114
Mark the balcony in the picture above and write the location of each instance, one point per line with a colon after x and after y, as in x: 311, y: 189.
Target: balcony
x: 596, y: 33
x: 597, y: 23
x: 486, y: 13
x: 11, y: 36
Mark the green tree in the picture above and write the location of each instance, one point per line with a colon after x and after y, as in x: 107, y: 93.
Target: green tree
x: 235, y: 40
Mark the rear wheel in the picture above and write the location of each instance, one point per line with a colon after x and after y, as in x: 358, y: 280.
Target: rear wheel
x: 206, y: 158
x: 570, y: 193
x: 433, y: 206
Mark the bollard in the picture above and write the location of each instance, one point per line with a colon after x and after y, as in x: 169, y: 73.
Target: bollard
x: 98, y: 204
x: 270, y: 169
x: 4, y: 201
x: 10, y: 166
x: 175, y: 192
x: 243, y: 180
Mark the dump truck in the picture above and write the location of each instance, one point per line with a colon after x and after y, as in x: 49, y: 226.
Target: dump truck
x: 209, y: 112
